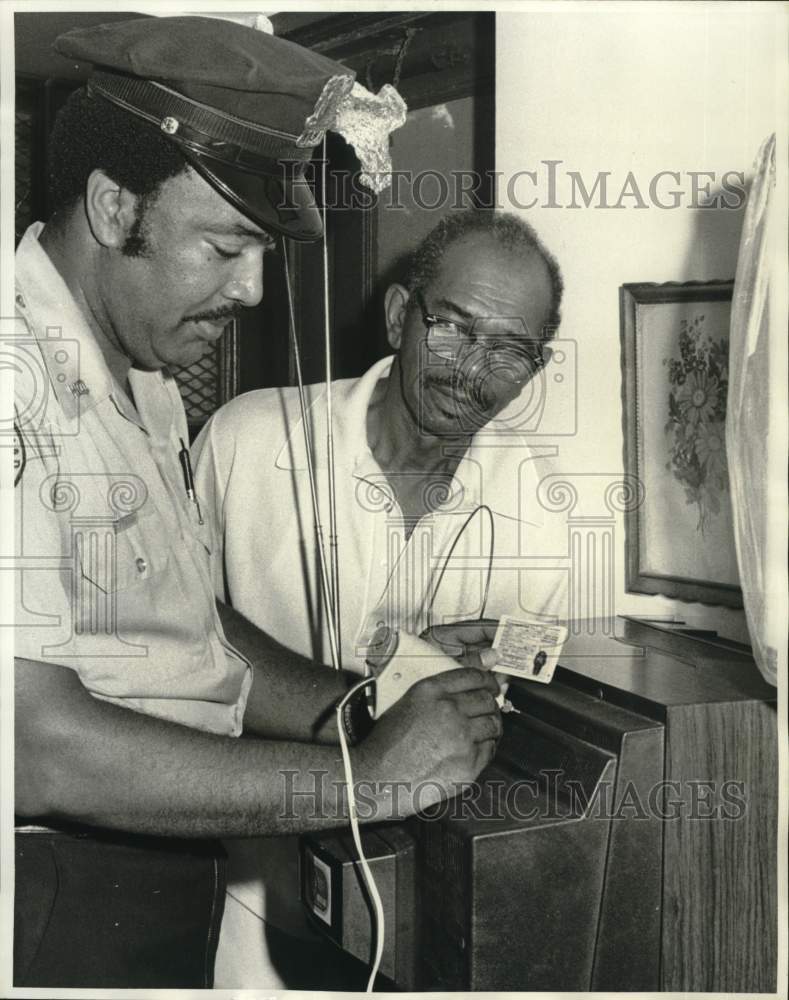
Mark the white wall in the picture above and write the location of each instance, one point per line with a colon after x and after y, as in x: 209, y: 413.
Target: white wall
x: 686, y: 87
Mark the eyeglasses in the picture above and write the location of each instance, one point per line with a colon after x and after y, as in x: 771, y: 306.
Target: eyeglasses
x: 510, y: 355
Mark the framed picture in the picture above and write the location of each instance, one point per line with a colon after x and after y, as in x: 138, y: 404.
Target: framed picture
x: 675, y: 361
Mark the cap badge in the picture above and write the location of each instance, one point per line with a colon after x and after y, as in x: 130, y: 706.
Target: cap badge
x: 325, y: 111
x: 169, y: 125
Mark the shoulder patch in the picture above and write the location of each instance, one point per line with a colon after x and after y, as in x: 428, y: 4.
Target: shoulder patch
x: 20, y: 457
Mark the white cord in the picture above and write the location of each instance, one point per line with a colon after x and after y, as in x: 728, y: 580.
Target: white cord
x: 369, y: 881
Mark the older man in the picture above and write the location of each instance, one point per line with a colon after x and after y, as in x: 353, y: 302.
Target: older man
x: 436, y: 482
x: 132, y: 682
x: 437, y: 501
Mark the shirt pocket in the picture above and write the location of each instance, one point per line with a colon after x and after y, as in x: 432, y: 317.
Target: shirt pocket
x: 122, y: 553
x: 203, y: 533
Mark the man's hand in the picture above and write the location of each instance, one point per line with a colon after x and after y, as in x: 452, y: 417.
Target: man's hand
x: 439, y: 735
x: 470, y: 644
x: 467, y: 642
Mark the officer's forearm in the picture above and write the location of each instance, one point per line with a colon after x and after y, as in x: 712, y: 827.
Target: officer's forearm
x: 88, y: 761
x: 291, y: 697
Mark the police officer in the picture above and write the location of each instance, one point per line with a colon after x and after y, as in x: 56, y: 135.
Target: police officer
x: 169, y: 174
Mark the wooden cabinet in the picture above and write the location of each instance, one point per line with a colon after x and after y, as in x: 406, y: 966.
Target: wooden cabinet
x: 623, y: 839
x: 718, y: 799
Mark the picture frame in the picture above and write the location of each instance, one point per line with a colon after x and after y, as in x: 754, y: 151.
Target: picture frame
x: 679, y: 541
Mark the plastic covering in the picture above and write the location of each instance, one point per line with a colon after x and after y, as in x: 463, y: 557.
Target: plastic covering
x: 752, y: 409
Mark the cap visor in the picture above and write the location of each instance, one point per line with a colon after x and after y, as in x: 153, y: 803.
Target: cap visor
x: 278, y: 202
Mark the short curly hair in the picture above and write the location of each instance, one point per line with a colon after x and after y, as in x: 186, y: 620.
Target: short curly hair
x: 91, y: 134
x: 424, y: 263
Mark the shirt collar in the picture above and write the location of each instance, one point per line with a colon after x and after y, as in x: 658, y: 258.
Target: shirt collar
x: 351, y: 401
x: 75, y: 364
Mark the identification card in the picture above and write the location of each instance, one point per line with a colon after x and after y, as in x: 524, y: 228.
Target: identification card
x: 527, y: 649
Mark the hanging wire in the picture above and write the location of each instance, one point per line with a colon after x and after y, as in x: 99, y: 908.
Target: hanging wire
x: 324, y: 575
x: 334, y: 578
x: 398, y: 69
x: 453, y: 546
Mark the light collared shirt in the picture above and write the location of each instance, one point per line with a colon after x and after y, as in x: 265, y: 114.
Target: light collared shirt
x: 112, y: 566
x: 488, y: 548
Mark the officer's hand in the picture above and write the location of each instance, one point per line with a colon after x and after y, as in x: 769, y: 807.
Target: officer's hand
x: 438, y: 736
x: 467, y: 642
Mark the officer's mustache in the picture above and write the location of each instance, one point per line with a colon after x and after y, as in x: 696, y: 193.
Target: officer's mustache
x: 215, y: 315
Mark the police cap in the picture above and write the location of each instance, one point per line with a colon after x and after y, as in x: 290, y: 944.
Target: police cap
x: 245, y: 108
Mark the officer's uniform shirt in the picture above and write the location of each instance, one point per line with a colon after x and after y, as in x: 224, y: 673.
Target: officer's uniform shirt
x: 113, y: 575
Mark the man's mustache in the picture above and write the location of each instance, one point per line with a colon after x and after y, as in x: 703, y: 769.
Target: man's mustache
x: 215, y: 315
x: 455, y: 384
x: 469, y: 389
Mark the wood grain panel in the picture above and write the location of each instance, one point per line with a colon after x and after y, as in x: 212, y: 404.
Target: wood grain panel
x: 719, y: 909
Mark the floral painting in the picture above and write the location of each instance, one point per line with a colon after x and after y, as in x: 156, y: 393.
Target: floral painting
x: 675, y: 352
x: 698, y: 380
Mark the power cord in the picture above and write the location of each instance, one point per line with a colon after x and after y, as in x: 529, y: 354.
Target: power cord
x: 369, y: 881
